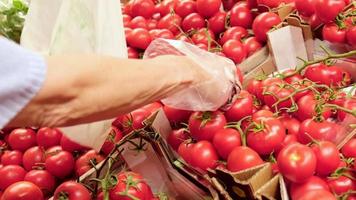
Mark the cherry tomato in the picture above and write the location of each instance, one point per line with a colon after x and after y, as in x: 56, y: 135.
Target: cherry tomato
x: 185, y: 7
x: 349, y: 104
x: 305, y: 7
x: 314, y: 21
x: 226, y: 140
x: 297, y: 162
x: 11, y: 174
x: 22, y: 139
x: 275, y: 92
x: 269, y: 3
x: 143, y: 8
x: 22, y: 190
x: 114, y: 136
x: 234, y: 50
x: 311, y: 184
x: 327, y: 10
x: 127, y: 19
x: 202, y: 35
x: 208, y: 8
x: 332, y: 33
x: 293, y: 78
x: 241, y: 16
x: 351, y: 36
x: 42, y: 179
x: 289, y: 139
x: 233, y: 33
x: 290, y: 124
x: 349, y: 149
x: 138, y: 22
x: 217, y: 22
x: 71, y: 190
x: 152, y: 24
x: 255, y: 87
x: 263, y: 23
x: 71, y: 146
x: 33, y: 157
x: 318, y: 195
x: 193, y: 21
x: 239, y: 73
x: 139, y: 38
x: 320, y: 131
x: 167, y: 6
x: 341, y: 185
x: 176, y: 116
x: 327, y: 156
x: 185, y: 151
x: 170, y: 22
x: 132, y: 53
x: 251, y: 45
x: 243, y: 158
x: 266, y: 135
x: 48, y: 137
x: 204, y: 155
x: 132, y: 121
x: 204, y: 125
x: 176, y: 137
x: 241, y: 108
x: 306, y: 108
x: 60, y: 164
x: 11, y: 158
x: 85, y: 162
x: 161, y: 33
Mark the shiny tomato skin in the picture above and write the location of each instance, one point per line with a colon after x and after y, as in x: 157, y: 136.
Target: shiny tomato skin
x: 133, y: 120
x: 201, y: 36
x: 12, y: 158
x: 291, y: 124
x: 143, y: 8
x: 42, y: 179
x: 48, y: 137
x: 327, y: 10
x: 11, y: 174
x: 327, y: 156
x: 170, y: 22
x: 234, y: 50
x: 73, y: 191
x: 138, y: 22
x: 251, y: 45
x: 351, y: 36
x: 241, y: 16
x: 289, y: 139
x: 349, y: 104
x: 185, y: 7
x: 204, y: 125
x: 33, y: 157
x: 242, y: 158
x: 22, y: 190
x: 176, y: 137
x: 269, y: 3
x: 255, y: 87
x: 176, y: 116
x: 332, y: 33
x: 349, y: 149
x: 217, y: 22
x: 204, y: 155
x: 296, y: 162
x: 241, y: 108
x: 139, y: 38
x: 208, y: 8
x: 320, y: 131
x: 185, y: 151
x: 318, y: 195
x: 86, y: 161
x: 114, y: 137
x: 132, y: 53
x: 275, y: 92
x: 60, y: 164
x: 261, y: 115
x: 305, y: 7
x: 225, y: 141
x: 306, y: 108
x: 311, y: 184
x: 233, y: 33
x: 22, y: 139
x: 71, y: 146
x: 193, y: 21
x: 263, y: 23
x: 341, y: 185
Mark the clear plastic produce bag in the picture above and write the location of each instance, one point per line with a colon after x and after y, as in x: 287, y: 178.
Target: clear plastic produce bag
x: 218, y: 92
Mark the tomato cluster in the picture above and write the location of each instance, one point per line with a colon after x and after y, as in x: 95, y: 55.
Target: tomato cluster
x: 227, y: 31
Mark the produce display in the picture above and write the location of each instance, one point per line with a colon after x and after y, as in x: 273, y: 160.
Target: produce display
x: 299, y: 120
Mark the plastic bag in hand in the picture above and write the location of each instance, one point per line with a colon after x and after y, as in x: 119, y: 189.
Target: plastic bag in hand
x: 210, y: 95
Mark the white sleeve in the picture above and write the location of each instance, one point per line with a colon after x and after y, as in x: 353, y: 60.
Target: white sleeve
x: 22, y: 74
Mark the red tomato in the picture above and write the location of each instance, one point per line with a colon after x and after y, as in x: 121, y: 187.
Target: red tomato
x: 43, y: 180
x: 22, y: 139
x: 204, y: 155
x: 290, y: 124
x: 139, y: 38
x: 270, y: 3
x: 161, y: 33
x: 266, y: 135
x: 349, y: 104
x: 60, y: 164
x: 252, y: 45
x: 349, y: 149
x: 204, y: 125
x: 185, y: 7
x: 255, y: 87
x: 133, y: 120
x: 306, y: 108
x: 291, y: 79
x: 217, y: 22
x: 275, y: 92
x: 201, y: 36
x: 318, y: 195
x: 176, y: 116
x: 71, y: 146
x: 208, y: 8
x: 327, y: 156
x: 351, y: 36
x: 241, y: 16
x: 327, y: 10
x: 242, y: 158
x: 185, y: 151
x: 297, y: 162
x: 127, y: 19
x: 11, y: 174
x: 263, y: 23
x: 241, y: 108
x: 85, y: 162
x: 138, y: 22
x: 305, y: 7
x: 234, y: 50
x: 225, y: 141
x: 314, y: 21
x: 176, y: 137
x: 341, y: 185
x: 132, y: 53
x: 289, y: 139
x: 130, y: 185
x: 233, y: 33
x: 239, y: 73
x: 262, y: 114
x: 332, y: 33
x: 167, y: 6
x: 170, y: 22
x: 311, y: 184
x: 48, y: 137
x: 152, y: 24
x: 193, y: 21
x: 320, y: 131
x: 33, y: 157
x: 114, y: 136
x: 11, y: 158
x: 22, y: 190
x: 71, y: 190
x: 143, y: 8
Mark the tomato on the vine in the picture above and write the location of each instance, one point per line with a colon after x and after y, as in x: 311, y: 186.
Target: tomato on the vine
x: 33, y: 157
x: 332, y: 33
x: 251, y: 45
x: 311, y: 184
x: 204, y: 125
x: 241, y: 16
x: 342, y: 184
x: 305, y: 7
x: 71, y: 190
x: 242, y: 158
x: 263, y: 23
x: 351, y: 36
x: 60, y: 164
x: 139, y: 38
x: 204, y: 155
x: 23, y: 190
x: 138, y: 22
x: 327, y: 156
x: 241, y: 108
x: 12, y: 158
x: 176, y: 116
x: 114, y: 136
x: 318, y: 195
x: 185, y: 151
x: 233, y: 33
x: 217, y: 22
x: 349, y: 149
x: 234, y: 50
x: 193, y: 21
x: 87, y: 161
x: 226, y: 140
x: 306, y: 108
x: 208, y: 8
x: 143, y: 8
x: 311, y: 129
x: 11, y: 174
x: 48, y: 137
x: 327, y: 10
x: 71, y: 146
x: 176, y: 137
x: 185, y: 7
x: 43, y: 179
x: 22, y: 139
x: 290, y: 124
x: 170, y: 22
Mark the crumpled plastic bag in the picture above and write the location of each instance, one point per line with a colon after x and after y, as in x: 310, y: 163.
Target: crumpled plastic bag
x: 218, y: 92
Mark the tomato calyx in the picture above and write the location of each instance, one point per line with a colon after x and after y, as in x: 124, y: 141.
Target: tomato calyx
x: 341, y: 171
x: 130, y: 183
x: 63, y: 196
x: 205, y: 117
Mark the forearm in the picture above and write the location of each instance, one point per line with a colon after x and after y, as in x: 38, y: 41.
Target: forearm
x: 88, y: 88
